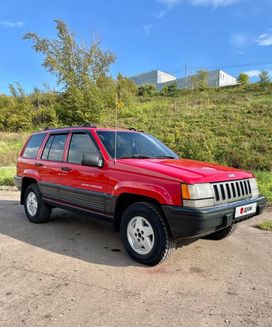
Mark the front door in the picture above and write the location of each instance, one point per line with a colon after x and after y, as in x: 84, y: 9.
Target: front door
x: 83, y: 187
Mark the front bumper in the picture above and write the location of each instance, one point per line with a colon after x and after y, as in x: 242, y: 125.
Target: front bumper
x: 193, y: 223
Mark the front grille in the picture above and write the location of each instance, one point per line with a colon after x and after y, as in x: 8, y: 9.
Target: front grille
x: 231, y: 191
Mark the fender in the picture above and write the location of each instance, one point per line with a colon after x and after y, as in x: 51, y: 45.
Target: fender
x: 32, y: 174
x: 156, y: 192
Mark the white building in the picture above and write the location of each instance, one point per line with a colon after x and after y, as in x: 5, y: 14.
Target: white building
x: 154, y: 77
x: 216, y: 78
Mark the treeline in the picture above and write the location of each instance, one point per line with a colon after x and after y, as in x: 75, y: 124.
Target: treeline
x: 74, y: 106
x: 95, y: 102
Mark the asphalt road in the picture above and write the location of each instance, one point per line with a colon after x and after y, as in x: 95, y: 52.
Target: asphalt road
x: 73, y: 271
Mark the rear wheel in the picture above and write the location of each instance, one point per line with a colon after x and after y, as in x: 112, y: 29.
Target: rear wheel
x: 223, y: 233
x: 36, y: 210
x: 145, y: 234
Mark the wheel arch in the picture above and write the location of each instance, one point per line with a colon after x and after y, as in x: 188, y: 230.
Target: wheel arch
x: 124, y: 200
x: 26, y: 181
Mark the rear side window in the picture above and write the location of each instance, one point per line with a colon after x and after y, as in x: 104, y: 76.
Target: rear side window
x: 54, y: 147
x: 80, y: 144
x: 33, y: 146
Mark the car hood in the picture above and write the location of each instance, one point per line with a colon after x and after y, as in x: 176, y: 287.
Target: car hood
x: 188, y: 171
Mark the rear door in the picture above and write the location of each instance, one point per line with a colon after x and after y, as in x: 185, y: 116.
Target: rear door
x: 83, y: 186
x: 26, y: 165
x: 50, y: 164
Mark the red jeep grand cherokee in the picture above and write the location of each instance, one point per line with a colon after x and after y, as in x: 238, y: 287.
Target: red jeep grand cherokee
x: 134, y: 181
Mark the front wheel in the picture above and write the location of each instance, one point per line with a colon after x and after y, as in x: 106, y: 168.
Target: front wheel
x: 36, y: 210
x: 145, y: 234
x: 221, y: 234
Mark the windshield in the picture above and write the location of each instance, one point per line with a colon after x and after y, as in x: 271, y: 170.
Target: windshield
x: 134, y: 145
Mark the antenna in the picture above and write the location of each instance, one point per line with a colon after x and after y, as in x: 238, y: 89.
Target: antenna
x: 185, y: 76
x: 115, y: 132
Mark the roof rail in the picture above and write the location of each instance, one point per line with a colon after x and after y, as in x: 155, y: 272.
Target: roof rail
x: 83, y: 125
x: 136, y: 130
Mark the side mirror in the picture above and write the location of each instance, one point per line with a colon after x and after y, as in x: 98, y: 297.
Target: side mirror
x: 93, y: 160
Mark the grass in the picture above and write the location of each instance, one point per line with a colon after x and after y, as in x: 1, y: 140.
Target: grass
x: 6, y: 175
x: 266, y: 225
x: 10, y: 146
x: 264, y: 179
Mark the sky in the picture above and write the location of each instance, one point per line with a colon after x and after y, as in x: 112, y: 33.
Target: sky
x: 234, y: 35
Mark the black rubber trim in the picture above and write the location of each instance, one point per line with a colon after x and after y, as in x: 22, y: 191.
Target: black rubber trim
x: 49, y: 190
x: 81, y: 198
x: 80, y: 210
x: 190, y: 223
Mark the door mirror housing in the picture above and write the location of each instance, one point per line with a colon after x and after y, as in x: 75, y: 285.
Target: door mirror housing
x: 92, y: 160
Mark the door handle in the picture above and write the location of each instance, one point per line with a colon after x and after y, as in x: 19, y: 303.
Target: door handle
x: 66, y: 168
x: 39, y: 164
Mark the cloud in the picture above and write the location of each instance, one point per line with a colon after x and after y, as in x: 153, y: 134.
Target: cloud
x: 253, y: 73
x: 168, y: 4
x: 148, y: 29
x: 256, y: 72
x: 241, y: 40
x: 264, y: 39
x: 214, y: 3
x: 12, y: 24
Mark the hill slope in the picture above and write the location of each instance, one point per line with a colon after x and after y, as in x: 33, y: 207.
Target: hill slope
x: 231, y: 126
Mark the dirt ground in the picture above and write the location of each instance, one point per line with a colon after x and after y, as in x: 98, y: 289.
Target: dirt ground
x: 73, y: 271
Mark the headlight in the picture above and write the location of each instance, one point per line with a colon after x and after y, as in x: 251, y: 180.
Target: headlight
x: 197, y: 195
x: 254, y: 187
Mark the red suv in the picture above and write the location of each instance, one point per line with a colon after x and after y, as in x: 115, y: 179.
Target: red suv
x: 135, y: 182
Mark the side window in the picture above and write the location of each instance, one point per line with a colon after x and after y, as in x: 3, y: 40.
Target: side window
x: 79, y: 145
x: 33, y: 146
x: 47, y: 147
x: 54, y: 147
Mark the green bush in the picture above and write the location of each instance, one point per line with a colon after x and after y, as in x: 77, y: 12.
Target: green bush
x: 170, y: 90
x: 147, y: 90
x: 6, y: 176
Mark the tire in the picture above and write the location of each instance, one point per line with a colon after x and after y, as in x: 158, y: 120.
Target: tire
x: 223, y: 233
x: 32, y: 200
x: 145, y: 235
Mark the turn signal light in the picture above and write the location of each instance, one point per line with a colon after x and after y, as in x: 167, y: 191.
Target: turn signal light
x: 185, y: 192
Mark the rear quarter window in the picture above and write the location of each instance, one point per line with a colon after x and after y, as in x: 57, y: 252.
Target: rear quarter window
x: 33, y: 145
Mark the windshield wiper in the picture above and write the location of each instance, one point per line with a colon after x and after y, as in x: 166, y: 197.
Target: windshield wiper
x: 165, y: 157
x: 136, y: 156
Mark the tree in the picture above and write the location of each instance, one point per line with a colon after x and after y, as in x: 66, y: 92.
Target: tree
x: 243, y: 79
x: 264, y: 79
x: 126, y: 89
x: 17, y: 91
x: 170, y: 90
x: 202, y: 76
x: 72, y: 63
x: 199, y: 80
x: 81, y: 70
